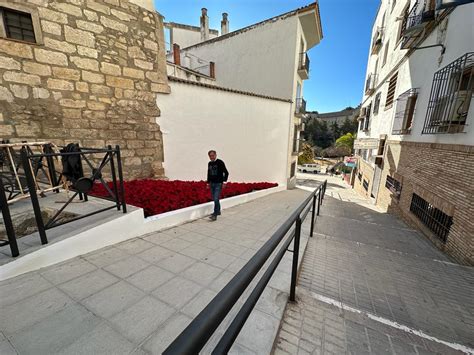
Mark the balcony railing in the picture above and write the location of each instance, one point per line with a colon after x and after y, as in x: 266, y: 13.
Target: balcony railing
x: 377, y: 40
x: 415, y: 23
x: 370, y: 84
x: 300, y: 106
x: 303, y: 65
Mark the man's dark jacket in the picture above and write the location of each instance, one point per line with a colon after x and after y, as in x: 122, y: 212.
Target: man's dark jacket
x: 216, y: 171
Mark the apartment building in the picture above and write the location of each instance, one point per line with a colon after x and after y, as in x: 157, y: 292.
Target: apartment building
x: 416, y: 137
x: 268, y: 58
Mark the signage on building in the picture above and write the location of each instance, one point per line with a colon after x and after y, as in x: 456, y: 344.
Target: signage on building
x: 444, y: 4
x: 368, y: 143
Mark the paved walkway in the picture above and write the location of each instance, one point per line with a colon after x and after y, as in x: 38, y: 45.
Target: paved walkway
x: 137, y: 296
x: 371, y: 285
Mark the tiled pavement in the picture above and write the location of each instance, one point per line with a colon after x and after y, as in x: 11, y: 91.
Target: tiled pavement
x: 135, y: 297
x: 386, y: 276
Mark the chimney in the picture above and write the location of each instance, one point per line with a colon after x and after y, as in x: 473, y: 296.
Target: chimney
x: 224, y: 24
x: 204, y: 25
x: 176, y: 54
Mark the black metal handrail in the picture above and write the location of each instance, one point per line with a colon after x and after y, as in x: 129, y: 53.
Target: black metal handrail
x: 199, y: 331
x: 304, y: 62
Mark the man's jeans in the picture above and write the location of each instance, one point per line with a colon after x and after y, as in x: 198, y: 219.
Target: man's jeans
x: 216, y: 188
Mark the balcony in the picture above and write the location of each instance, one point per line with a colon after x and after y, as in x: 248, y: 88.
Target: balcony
x: 370, y: 84
x: 300, y: 106
x: 377, y: 41
x: 414, y: 24
x: 303, y: 66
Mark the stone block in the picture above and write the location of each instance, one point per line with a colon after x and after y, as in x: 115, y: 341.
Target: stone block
x: 114, y: 25
x: 110, y: 69
x: 40, y: 93
x: 50, y: 57
x: 90, y: 26
x: 133, y: 73
x: 91, y: 15
x: 136, y: 52
x: 81, y: 37
x: 36, y: 68
x: 16, y: 49
x: 82, y: 86
x: 85, y: 63
x: 22, y: 78
x: 119, y: 82
x: 94, y: 5
x: 72, y: 103
x: 97, y: 106
x: 6, y: 130
x: 20, y: 91
x: 162, y: 88
x: 5, y: 94
x: 58, y: 84
x: 9, y: 63
x: 87, y: 52
x: 151, y: 45
x: 67, y: 74
x: 156, y: 77
x: 68, y: 8
x: 143, y: 64
x: 32, y: 129
x: 72, y: 113
x: 52, y: 15
x: 91, y: 77
x: 59, y: 45
x: 100, y: 89
x: 121, y: 15
x: 51, y: 27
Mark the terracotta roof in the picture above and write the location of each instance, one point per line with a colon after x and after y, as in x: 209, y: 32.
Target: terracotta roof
x: 258, y: 24
x: 209, y: 86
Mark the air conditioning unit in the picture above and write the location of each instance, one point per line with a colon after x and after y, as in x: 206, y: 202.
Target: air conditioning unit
x: 451, y: 110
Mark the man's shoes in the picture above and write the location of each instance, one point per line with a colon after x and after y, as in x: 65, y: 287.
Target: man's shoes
x: 212, y: 217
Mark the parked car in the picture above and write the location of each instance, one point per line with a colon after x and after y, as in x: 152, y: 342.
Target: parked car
x: 309, y: 168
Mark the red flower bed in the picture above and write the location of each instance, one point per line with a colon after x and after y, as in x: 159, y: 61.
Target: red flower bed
x: 159, y: 196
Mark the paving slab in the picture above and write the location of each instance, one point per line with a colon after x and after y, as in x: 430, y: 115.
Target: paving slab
x: 370, y: 284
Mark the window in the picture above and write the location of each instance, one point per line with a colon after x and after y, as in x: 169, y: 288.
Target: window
x: 403, y: 22
x: 394, y: 2
x: 359, y: 176
x: 385, y: 54
x: 391, y: 91
x: 293, y: 169
x: 404, y: 112
x: 17, y: 25
x: 436, y: 220
x: 377, y: 103
x: 451, y: 95
x: 394, y: 186
x: 366, y: 185
x: 367, y: 118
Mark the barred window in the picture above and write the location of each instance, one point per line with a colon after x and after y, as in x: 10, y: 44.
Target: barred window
x: 359, y: 176
x: 451, y: 96
x: 377, y: 103
x: 404, y: 112
x: 17, y: 25
x: 436, y: 220
x: 394, y: 186
x: 366, y: 185
x: 392, y: 85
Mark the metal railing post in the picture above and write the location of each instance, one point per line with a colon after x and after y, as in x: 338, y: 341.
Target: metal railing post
x: 7, y: 221
x: 319, y: 201
x: 33, y: 196
x: 294, y: 269
x: 120, y: 174
x: 313, y: 212
x: 114, y: 177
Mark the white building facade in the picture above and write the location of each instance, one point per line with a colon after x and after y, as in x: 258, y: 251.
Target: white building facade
x: 268, y: 58
x: 416, y: 138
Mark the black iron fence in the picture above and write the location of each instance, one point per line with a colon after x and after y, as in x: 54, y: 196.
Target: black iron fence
x: 200, y: 330
x: 304, y: 62
x: 300, y: 106
x: 81, y: 170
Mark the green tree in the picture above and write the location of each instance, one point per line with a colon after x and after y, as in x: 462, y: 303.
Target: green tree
x: 307, y: 157
x: 336, y: 131
x: 318, y: 133
x: 347, y: 140
x: 349, y: 126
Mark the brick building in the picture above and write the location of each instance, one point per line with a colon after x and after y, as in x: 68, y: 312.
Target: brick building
x: 84, y: 71
x: 416, y: 138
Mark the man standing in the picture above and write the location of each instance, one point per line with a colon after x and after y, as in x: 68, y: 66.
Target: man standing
x: 217, y: 174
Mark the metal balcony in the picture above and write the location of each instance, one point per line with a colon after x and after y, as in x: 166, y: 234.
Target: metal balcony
x: 303, y: 66
x: 300, y: 106
x: 414, y: 24
x: 377, y: 40
x: 370, y: 84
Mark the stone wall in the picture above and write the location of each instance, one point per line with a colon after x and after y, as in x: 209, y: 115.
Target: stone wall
x: 441, y: 174
x: 92, y: 78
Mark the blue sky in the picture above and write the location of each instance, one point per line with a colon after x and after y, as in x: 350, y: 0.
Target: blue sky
x: 338, y: 63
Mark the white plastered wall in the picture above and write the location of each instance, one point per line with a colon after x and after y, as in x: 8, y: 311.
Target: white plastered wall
x: 249, y: 133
